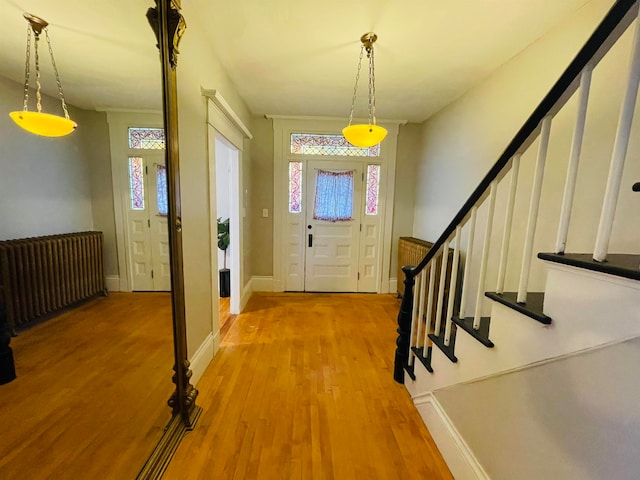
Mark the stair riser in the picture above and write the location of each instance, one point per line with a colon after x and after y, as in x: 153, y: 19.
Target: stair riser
x: 599, y: 308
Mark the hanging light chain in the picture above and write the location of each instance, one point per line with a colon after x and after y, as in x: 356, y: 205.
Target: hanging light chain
x: 55, y: 70
x: 26, y: 70
x: 372, y: 89
x: 37, y: 57
x: 355, y: 87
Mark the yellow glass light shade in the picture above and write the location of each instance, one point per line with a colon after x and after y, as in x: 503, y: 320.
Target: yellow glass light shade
x: 43, y: 124
x: 364, y: 135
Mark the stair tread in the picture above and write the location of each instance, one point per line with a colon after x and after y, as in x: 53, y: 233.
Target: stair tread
x: 426, y: 360
x: 439, y: 342
x: 532, y: 308
x: 482, y: 334
x: 618, y: 264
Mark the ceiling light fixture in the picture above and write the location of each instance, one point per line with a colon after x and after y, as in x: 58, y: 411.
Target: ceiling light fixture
x: 368, y: 135
x: 40, y: 123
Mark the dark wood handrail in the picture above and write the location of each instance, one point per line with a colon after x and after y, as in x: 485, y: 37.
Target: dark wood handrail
x: 608, y: 31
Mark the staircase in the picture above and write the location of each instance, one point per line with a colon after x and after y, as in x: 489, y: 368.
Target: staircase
x: 468, y: 329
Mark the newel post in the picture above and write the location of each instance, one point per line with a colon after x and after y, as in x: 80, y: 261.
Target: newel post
x: 404, y: 326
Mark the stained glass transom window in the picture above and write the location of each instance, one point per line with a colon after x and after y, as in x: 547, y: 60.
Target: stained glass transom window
x: 136, y: 183
x: 334, y: 196
x: 322, y: 144
x: 295, y: 187
x: 161, y: 187
x: 146, y: 138
x: 373, y: 188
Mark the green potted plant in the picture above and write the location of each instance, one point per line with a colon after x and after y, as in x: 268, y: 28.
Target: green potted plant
x: 223, y: 244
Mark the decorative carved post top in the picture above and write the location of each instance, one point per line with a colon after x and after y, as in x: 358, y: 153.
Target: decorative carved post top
x: 176, y: 27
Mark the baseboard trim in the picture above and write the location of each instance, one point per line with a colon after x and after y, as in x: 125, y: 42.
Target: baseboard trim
x: 455, y: 451
x: 262, y: 284
x: 112, y: 283
x: 393, y: 285
x: 174, y: 432
x: 247, y: 291
x: 203, y: 356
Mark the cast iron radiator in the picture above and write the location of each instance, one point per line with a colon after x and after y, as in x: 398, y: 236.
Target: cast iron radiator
x: 41, y: 275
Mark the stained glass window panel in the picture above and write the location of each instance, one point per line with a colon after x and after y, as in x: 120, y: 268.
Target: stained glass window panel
x: 146, y: 138
x: 373, y: 189
x: 136, y: 183
x: 161, y: 186
x: 322, y: 144
x: 334, y: 196
x: 295, y: 187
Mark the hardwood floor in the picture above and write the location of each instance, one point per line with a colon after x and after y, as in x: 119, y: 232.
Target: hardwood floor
x: 224, y: 316
x: 302, y: 388
x: 90, y: 398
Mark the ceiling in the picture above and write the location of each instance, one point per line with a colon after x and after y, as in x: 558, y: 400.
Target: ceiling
x: 287, y: 57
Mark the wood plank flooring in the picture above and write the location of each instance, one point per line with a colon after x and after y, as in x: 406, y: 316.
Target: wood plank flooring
x: 90, y: 398
x: 302, y: 388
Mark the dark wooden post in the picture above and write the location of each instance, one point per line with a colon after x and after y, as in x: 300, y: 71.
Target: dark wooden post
x: 404, y: 326
x: 7, y: 367
x: 169, y: 25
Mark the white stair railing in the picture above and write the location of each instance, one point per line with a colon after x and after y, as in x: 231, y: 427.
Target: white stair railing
x: 621, y: 144
x: 534, y: 207
x: 508, y: 222
x: 452, y: 287
x: 574, y: 161
x: 467, y: 263
x: 485, y: 254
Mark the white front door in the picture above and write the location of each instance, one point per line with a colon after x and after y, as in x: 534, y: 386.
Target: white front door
x: 147, y: 223
x: 332, y: 229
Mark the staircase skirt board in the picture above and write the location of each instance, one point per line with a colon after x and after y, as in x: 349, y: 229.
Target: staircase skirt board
x: 454, y: 449
x: 618, y: 264
x: 426, y: 360
x: 533, y: 308
x: 482, y: 334
x: 439, y: 342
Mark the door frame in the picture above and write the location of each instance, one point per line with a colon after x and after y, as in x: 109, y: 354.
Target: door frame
x: 119, y: 122
x: 223, y: 121
x: 283, y: 127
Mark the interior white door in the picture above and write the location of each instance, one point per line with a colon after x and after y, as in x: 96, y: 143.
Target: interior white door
x: 334, y: 197
x: 158, y: 226
x: 147, y: 223
x: 140, y: 251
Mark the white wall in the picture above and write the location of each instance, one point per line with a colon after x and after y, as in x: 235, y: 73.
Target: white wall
x: 461, y: 143
x: 198, y: 67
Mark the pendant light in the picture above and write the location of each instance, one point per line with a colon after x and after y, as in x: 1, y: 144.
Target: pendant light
x: 365, y: 135
x: 40, y: 123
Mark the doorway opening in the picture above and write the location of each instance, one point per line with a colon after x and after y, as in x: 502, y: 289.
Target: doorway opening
x: 226, y: 158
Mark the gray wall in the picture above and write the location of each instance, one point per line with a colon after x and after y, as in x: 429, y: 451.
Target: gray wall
x: 574, y: 418
x: 407, y: 157
x: 262, y: 196
x: 44, y: 182
x: 94, y: 132
x: 55, y: 185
